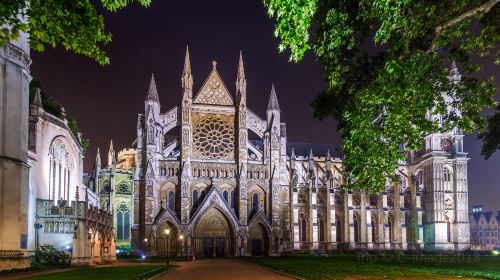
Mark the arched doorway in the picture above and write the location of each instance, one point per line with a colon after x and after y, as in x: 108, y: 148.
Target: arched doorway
x: 213, y: 235
x: 166, y: 244
x: 259, y: 240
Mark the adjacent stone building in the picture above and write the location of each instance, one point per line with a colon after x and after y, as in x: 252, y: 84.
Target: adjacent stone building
x: 56, y: 213
x: 14, y: 82
x: 114, y: 184
x: 484, y: 228
x: 226, y: 182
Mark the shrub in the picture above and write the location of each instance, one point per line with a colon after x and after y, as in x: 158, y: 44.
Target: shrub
x: 48, y: 254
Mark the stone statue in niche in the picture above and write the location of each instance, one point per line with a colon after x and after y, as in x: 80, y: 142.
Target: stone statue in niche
x: 274, y: 139
x: 151, y: 131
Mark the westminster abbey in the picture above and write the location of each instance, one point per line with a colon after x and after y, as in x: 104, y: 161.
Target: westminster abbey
x: 203, y: 187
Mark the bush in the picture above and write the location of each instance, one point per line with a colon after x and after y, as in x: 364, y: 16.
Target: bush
x: 48, y: 254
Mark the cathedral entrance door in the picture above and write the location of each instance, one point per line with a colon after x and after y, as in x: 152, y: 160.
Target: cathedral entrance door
x: 256, y: 247
x: 219, y: 247
x: 208, y: 247
x: 213, y: 235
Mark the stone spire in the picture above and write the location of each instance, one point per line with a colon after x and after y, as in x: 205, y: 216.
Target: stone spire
x: 273, y: 101
x: 98, y: 158
x: 328, y: 156
x: 187, y: 77
x: 311, y: 156
x: 152, y: 92
x: 241, y: 83
x: 240, y: 79
x: 111, y: 154
x: 187, y: 63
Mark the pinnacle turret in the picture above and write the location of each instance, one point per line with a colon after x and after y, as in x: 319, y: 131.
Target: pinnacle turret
x: 241, y: 70
x: 98, y: 158
x: 311, y: 156
x: 37, y: 99
x: 187, y: 77
x: 152, y: 92
x: 111, y: 154
x: 187, y: 63
x: 273, y: 101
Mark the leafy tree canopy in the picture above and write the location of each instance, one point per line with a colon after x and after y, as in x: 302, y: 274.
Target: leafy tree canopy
x: 75, y: 24
x: 386, y: 63
x: 491, y: 137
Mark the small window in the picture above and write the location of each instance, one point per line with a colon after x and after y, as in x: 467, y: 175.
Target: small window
x: 225, y: 195
x: 171, y: 200
x: 255, y: 202
x: 195, y: 197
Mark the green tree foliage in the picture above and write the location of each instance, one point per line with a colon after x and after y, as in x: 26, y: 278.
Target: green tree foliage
x: 75, y: 25
x: 48, y: 254
x: 491, y: 137
x: 75, y: 129
x: 386, y: 63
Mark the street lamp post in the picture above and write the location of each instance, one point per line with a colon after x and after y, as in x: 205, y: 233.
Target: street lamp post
x: 167, y: 233
x: 146, y: 246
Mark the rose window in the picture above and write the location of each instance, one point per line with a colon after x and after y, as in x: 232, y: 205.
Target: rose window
x: 213, y: 138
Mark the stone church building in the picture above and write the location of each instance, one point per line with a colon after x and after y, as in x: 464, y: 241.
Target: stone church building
x: 215, y: 179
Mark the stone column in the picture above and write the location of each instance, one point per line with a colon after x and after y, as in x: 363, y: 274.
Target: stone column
x: 14, y: 182
x: 363, y: 221
x: 350, y: 221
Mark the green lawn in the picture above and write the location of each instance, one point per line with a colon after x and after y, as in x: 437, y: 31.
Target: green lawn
x: 385, y: 266
x: 104, y: 273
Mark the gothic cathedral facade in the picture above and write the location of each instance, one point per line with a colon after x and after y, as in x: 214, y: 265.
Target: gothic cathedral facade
x: 213, y: 191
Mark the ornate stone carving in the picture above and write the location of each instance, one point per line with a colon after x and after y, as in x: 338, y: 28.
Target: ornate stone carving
x: 256, y: 124
x: 213, y: 138
x: 214, y: 91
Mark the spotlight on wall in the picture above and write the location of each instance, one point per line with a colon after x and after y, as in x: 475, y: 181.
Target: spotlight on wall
x: 495, y: 252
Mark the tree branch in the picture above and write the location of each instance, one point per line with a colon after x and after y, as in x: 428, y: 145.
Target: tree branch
x: 485, y: 7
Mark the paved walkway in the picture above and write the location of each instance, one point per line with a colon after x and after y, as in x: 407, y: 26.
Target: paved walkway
x: 220, y: 269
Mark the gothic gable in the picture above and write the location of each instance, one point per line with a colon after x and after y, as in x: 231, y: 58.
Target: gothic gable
x: 214, y: 91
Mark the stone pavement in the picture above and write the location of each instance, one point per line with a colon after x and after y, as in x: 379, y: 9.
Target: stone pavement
x: 220, y: 269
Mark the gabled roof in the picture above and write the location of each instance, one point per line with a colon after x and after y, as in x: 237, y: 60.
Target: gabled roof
x: 214, y: 91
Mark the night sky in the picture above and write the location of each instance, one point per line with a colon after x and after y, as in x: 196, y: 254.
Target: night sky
x: 106, y: 100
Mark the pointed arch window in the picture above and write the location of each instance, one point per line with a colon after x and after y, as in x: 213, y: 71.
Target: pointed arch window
x: 356, y: 233
x: 374, y: 232
x: 321, y: 231
x: 338, y: 229
x: 123, y: 223
x: 448, y: 231
x: 390, y: 231
x: 195, y: 197
x: 232, y: 199
x: 226, y: 196
x: 171, y: 200
x: 303, y: 229
x: 255, y: 202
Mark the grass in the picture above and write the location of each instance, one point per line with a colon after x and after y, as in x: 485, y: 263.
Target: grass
x: 105, y: 273
x: 380, y: 266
